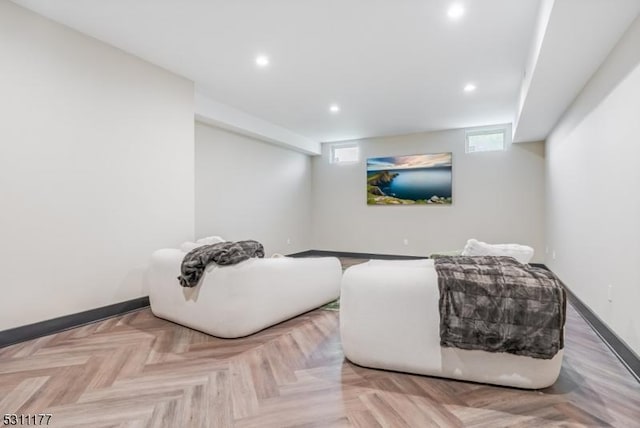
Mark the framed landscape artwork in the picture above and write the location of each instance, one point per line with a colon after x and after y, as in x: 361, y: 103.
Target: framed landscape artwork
x: 409, y: 180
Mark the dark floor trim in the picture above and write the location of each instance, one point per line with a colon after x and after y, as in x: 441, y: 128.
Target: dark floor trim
x: 326, y: 253
x: 56, y: 325
x: 618, y: 346
x: 621, y: 350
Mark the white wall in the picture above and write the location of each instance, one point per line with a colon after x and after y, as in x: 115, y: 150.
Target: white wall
x: 497, y: 197
x: 249, y: 189
x: 593, y: 197
x: 96, y: 169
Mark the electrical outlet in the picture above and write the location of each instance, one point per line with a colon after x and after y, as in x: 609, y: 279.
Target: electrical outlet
x: 610, y: 293
x: 546, y: 250
x: 553, y: 254
x: 406, y: 241
x: 288, y: 241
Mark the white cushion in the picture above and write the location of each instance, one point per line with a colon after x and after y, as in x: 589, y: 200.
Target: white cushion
x: 521, y: 253
x: 238, y: 300
x: 389, y: 319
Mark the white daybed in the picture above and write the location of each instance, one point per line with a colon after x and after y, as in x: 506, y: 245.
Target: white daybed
x: 238, y: 300
x: 389, y: 319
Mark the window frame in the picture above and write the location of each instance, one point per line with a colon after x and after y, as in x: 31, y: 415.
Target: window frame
x: 337, y: 161
x: 485, y: 131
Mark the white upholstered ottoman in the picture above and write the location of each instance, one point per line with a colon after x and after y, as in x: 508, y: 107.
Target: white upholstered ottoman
x: 389, y: 319
x: 238, y: 300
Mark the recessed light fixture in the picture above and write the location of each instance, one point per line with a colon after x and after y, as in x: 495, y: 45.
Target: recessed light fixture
x: 334, y: 108
x: 469, y: 87
x: 455, y: 11
x: 262, y: 61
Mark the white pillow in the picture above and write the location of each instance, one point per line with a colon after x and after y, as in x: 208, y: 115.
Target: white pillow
x: 521, y: 253
x: 210, y: 240
x: 277, y: 256
x: 188, y: 246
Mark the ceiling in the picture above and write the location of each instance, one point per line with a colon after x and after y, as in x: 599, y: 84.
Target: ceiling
x: 574, y: 38
x: 394, y: 67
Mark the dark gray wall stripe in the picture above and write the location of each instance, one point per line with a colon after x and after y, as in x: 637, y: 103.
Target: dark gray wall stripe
x: 56, y: 325
x: 618, y: 346
x: 623, y: 351
x: 326, y: 253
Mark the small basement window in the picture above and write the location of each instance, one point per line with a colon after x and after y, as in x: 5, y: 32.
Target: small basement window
x: 345, y: 153
x: 485, y: 140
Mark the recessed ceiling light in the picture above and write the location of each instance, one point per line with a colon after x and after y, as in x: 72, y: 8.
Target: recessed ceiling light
x: 334, y: 108
x: 469, y: 87
x: 455, y: 11
x: 262, y: 61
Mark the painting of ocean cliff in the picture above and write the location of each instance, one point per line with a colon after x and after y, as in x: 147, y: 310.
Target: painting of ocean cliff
x: 409, y: 180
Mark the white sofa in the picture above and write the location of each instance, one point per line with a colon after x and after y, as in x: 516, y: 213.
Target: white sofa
x: 238, y: 300
x: 389, y: 319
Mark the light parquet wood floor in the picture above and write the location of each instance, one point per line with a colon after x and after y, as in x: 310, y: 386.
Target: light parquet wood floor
x: 140, y: 371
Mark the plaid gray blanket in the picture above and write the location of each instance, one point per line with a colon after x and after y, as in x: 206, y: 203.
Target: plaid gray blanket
x: 223, y: 253
x: 497, y: 304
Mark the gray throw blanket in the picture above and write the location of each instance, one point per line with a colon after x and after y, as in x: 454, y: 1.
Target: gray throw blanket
x: 497, y: 304
x: 223, y: 253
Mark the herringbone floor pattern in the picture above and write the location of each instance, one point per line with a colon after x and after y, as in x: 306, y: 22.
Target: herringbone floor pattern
x: 140, y: 371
